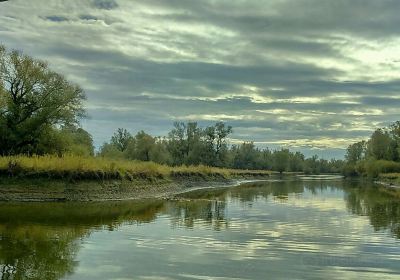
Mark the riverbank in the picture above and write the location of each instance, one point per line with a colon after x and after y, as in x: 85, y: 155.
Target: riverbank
x: 73, y: 178
x: 47, y: 190
x: 390, y: 180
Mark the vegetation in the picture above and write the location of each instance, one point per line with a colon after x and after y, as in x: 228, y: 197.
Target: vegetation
x: 39, y: 109
x: 390, y: 178
x: 40, y: 135
x: 76, y: 167
x: 189, y: 144
x: 379, y: 155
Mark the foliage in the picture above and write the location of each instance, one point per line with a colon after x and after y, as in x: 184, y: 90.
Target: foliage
x: 356, y: 152
x: 34, y: 101
x: 40, y: 112
x: 380, y: 154
x: 189, y: 144
x: 121, y: 139
x: 281, y: 160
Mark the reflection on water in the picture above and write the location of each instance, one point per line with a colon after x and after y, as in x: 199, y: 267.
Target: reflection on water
x: 40, y: 241
x: 291, y: 229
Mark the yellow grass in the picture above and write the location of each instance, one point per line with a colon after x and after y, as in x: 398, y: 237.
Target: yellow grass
x: 97, y: 167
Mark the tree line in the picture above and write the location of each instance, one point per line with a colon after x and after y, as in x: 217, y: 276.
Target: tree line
x: 40, y: 112
x: 189, y: 144
x: 379, y: 154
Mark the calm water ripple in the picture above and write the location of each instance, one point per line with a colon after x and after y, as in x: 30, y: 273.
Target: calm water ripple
x: 316, y: 229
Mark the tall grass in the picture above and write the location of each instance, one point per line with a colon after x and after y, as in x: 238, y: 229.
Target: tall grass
x: 77, y: 167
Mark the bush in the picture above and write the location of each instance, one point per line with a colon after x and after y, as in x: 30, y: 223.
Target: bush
x: 349, y: 170
x: 375, y: 167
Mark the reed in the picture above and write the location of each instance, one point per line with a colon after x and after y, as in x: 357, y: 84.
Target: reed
x: 77, y: 167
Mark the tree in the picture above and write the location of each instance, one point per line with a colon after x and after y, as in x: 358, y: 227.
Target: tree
x: 356, y: 152
x: 144, y: 143
x: 380, y: 145
x: 296, y: 162
x: 159, y: 152
x: 311, y: 165
x: 79, y: 141
x: 189, y: 144
x: 215, y: 144
x: 281, y: 160
x: 394, y: 130
x: 33, y: 99
x: 121, y: 139
x: 222, y: 132
x: 108, y: 150
x: 177, y: 145
x: 245, y: 156
x: 195, y: 152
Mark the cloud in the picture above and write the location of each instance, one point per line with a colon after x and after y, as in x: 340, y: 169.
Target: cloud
x: 56, y: 18
x: 294, y: 73
x: 105, y: 4
x: 88, y: 17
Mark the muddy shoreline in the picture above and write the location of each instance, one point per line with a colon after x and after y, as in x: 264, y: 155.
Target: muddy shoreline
x: 388, y: 185
x: 50, y: 190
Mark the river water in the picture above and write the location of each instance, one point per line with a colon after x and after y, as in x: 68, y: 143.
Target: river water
x: 298, y: 229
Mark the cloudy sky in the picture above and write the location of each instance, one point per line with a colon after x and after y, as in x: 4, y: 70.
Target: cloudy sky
x: 313, y: 75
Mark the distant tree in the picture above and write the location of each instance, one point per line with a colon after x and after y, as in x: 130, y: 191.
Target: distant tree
x: 246, y: 156
x: 281, y: 160
x: 378, y: 154
x: 296, y: 162
x: 109, y: 150
x: 79, y: 141
x: 311, y: 165
x: 144, y: 144
x: 193, y: 137
x: 394, y: 130
x: 159, y: 152
x: 121, y: 139
x: 189, y: 144
x: 266, y: 160
x: 356, y: 152
x: 380, y: 145
x: 336, y: 165
x: 222, y: 131
x: 33, y: 99
x: 177, y: 145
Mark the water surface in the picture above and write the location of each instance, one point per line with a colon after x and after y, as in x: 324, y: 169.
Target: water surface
x: 306, y: 229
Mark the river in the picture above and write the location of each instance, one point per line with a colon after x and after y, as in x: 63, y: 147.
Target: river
x: 294, y: 229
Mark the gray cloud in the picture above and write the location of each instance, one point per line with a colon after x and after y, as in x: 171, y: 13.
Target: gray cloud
x: 313, y: 75
x: 56, y: 18
x: 88, y: 17
x: 105, y: 4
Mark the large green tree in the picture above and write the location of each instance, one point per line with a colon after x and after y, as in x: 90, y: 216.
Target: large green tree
x: 33, y: 99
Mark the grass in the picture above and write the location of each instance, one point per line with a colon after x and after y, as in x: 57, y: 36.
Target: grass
x: 76, y: 167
